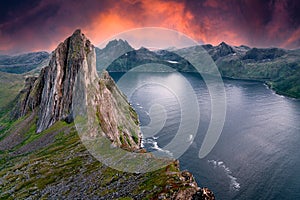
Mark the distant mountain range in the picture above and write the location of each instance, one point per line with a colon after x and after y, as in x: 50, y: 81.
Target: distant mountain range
x: 278, y: 68
x: 19, y: 64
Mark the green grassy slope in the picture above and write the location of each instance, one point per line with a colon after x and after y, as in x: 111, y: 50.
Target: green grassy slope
x: 10, y: 85
x: 55, y: 164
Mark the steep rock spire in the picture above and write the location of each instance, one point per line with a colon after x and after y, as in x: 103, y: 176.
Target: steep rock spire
x: 71, y: 71
x: 74, y: 54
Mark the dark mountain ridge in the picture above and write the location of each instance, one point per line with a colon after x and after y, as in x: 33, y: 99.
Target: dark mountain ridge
x: 142, y: 56
x: 113, y: 49
x: 22, y: 63
x: 262, y: 54
x: 278, y: 68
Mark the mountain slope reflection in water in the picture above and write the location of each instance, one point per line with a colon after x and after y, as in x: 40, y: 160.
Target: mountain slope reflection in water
x: 257, y: 155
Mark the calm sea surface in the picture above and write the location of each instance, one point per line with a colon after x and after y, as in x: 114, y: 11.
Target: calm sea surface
x: 258, y: 153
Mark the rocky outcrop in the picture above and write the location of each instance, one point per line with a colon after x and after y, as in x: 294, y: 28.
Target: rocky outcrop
x: 73, y: 55
x: 184, y: 187
x: 117, y: 118
x: 29, y: 98
x: 51, y: 94
x: 204, y: 194
x: 52, y: 91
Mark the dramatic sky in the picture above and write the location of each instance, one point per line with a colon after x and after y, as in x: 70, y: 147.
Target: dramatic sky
x: 33, y: 25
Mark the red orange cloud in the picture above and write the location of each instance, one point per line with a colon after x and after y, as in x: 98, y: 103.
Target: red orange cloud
x: 249, y: 22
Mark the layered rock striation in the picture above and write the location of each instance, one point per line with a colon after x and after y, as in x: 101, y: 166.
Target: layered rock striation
x: 51, y: 94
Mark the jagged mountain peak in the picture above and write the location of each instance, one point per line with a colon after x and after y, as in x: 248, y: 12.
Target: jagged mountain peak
x: 118, y: 42
x: 77, y: 32
x: 71, y: 71
x: 114, y: 49
x: 52, y: 91
x: 221, y: 50
x: 223, y: 44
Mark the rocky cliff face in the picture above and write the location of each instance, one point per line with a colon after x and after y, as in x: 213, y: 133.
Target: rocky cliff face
x: 25, y: 101
x: 72, y: 56
x: 51, y: 94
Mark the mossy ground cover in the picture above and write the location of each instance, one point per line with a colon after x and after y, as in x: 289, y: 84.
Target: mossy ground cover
x: 67, y: 160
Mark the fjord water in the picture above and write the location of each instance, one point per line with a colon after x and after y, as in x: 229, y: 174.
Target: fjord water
x: 257, y: 155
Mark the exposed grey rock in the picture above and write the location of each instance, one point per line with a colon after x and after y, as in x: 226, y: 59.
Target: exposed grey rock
x: 74, y: 54
x: 51, y: 94
x: 25, y: 102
